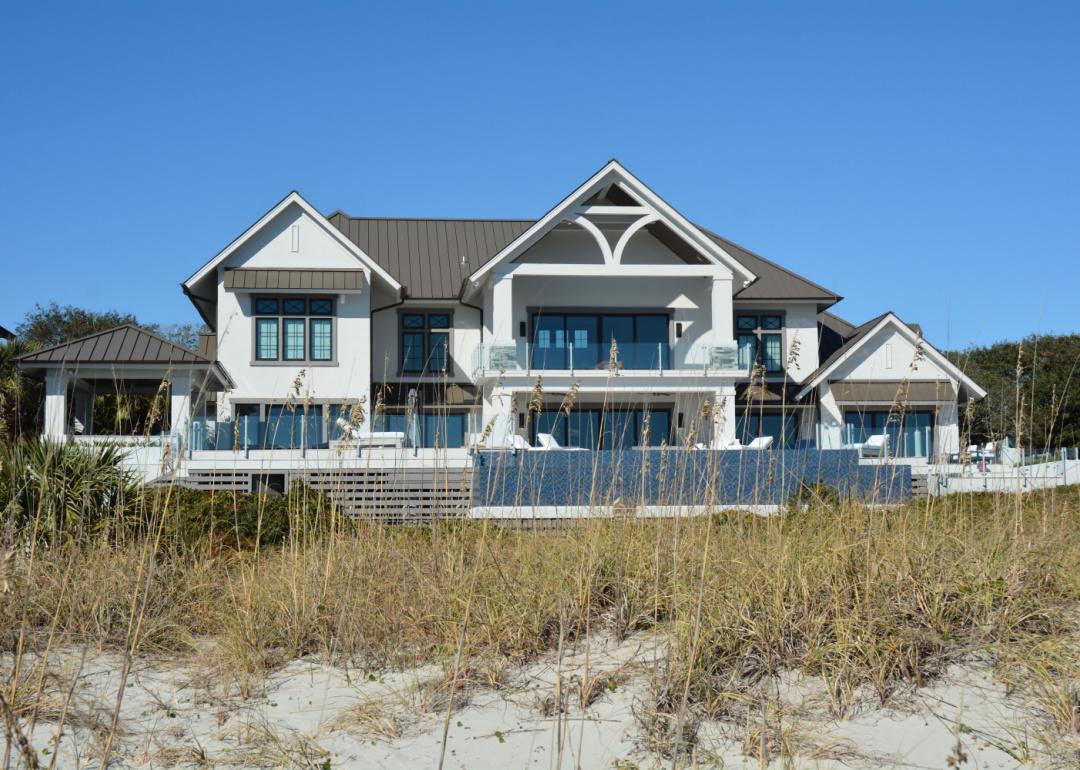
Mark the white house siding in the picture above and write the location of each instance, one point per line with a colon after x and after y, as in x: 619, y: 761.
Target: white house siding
x: 347, y: 378
x: 889, y: 355
x: 800, y: 323
x: 688, y: 300
x: 386, y: 339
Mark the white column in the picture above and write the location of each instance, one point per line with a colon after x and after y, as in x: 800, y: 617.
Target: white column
x: 180, y: 404
x: 830, y: 418
x: 502, y: 309
x: 946, y: 430
x: 723, y: 416
x: 56, y: 386
x: 720, y: 302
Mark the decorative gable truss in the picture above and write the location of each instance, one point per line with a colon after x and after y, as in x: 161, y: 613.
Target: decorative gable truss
x: 615, y: 201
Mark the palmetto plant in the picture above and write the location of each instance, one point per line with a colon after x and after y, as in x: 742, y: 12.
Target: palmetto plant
x: 57, y: 491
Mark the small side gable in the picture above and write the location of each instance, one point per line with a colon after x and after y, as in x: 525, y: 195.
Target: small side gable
x: 292, y: 234
x: 889, y: 349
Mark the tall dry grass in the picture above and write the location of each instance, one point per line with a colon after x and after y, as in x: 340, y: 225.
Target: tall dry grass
x: 869, y: 599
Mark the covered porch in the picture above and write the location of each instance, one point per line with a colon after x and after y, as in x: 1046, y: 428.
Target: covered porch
x: 124, y: 386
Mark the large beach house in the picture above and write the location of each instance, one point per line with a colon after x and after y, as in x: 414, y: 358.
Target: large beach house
x: 612, y: 321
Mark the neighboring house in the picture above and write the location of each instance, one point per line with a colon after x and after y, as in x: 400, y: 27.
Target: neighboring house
x: 660, y: 330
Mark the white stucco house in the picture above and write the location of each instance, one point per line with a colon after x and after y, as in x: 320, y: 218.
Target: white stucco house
x: 655, y: 329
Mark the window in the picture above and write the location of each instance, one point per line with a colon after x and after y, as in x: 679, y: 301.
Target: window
x: 434, y: 428
x: 605, y: 429
x: 782, y: 426
x: 294, y: 329
x: 910, y: 434
x: 584, y: 340
x: 425, y: 343
x: 760, y: 339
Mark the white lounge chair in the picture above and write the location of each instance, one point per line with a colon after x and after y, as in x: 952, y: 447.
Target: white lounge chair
x: 875, y: 446
x: 516, y: 441
x: 548, y: 442
x: 761, y: 443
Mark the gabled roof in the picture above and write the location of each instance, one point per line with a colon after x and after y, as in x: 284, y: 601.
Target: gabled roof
x: 615, y: 174
x: 293, y: 198
x: 5, y: 334
x: 125, y: 344
x: 865, y: 332
x: 841, y: 326
x: 425, y: 255
x: 773, y: 281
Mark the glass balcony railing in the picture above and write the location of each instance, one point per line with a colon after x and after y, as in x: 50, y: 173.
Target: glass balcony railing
x: 656, y: 357
x: 289, y: 431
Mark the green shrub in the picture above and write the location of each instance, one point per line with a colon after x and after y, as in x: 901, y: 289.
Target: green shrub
x: 240, y: 519
x: 54, y: 490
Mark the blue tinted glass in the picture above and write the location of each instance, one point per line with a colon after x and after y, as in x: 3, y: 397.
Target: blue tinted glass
x: 584, y: 428
x: 412, y: 352
x: 266, y: 339
x: 294, y: 339
x: 437, y: 342
x: 321, y: 339
x: 651, y: 342
x: 582, y: 332
x: 293, y: 306
x: 550, y: 421
x: 747, y: 350
x: 322, y: 307
x: 266, y: 306
x: 771, y: 352
x: 770, y: 322
x: 445, y: 431
x: 438, y: 321
x: 412, y: 321
x: 549, y: 347
x: 659, y: 427
x: 746, y: 322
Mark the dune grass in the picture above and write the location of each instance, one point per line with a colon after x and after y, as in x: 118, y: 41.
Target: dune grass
x: 869, y: 599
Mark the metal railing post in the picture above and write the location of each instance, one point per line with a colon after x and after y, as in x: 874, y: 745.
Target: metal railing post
x: 571, y: 345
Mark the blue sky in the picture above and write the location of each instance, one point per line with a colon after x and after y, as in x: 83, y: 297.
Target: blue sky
x: 920, y: 157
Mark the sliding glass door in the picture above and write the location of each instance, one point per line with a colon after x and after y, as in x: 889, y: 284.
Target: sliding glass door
x: 910, y: 434
x: 584, y: 340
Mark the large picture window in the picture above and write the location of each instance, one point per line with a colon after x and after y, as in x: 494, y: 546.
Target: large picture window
x: 760, y: 339
x: 910, y: 434
x: 605, y: 429
x: 294, y: 329
x: 584, y: 340
x: 425, y: 342
x: 754, y: 423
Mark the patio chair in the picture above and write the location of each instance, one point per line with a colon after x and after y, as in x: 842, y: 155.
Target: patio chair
x: 875, y: 446
x: 761, y: 443
x: 548, y: 442
x: 516, y: 441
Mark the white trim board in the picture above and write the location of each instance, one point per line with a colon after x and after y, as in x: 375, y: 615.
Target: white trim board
x: 570, y: 207
x: 292, y: 198
x: 931, y: 352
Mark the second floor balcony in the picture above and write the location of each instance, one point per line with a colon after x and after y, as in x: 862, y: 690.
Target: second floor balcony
x: 491, y: 360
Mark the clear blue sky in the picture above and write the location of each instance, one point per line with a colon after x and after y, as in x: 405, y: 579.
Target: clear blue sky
x: 923, y: 157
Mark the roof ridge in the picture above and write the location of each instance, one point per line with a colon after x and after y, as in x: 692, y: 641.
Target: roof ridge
x: 434, y: 219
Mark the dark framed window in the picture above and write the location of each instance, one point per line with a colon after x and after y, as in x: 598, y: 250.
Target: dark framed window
x: 584, y: 340
x: 753, y: 423
x: 760, y: 339
x: 425, y: 342
x: 294, y: 329
x: 605, y: 428
x: 910, y: 434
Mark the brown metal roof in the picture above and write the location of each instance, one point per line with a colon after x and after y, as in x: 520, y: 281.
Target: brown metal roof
x: 208, y: 346
x: 887, y: 391
x: 314, y: 280
x: 5, y: 334
x: 773, y: 281
x: 857, y: 334
x: 425, y: 255
x: 125, y: 344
